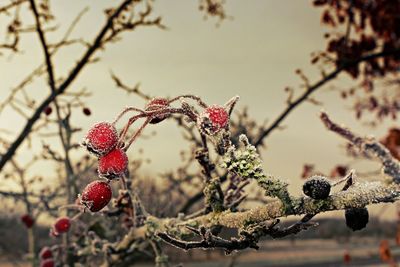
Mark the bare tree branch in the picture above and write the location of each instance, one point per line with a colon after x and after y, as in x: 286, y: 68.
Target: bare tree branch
x: 65, y: 84
x: 311, y: 89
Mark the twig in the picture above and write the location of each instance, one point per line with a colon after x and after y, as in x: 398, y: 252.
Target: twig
x: 311, y: 89
x: 65, y: 84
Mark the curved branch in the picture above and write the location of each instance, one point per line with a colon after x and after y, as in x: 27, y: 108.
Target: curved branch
x: 311, y: 89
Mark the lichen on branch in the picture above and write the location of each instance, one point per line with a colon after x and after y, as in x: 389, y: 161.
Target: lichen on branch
x: 246, y: 162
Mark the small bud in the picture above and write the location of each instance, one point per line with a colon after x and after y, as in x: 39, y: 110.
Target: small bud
x: 47, y: 110
x: 87, y: 111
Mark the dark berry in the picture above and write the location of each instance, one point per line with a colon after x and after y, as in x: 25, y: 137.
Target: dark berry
x: 317, y: 187
x: 87, y: 111
x: 356, y: 218
x: 101, y: 138
x: 113, y: 165
x: 96, y: 195
x: 27, y: 220
x: 47, y: 110
x: 157, y: 103
x: 346, y: 257
x: 213, y: 119
x: 62, y: 225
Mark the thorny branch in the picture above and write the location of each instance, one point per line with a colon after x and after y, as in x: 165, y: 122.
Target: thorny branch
x: 260, y: 221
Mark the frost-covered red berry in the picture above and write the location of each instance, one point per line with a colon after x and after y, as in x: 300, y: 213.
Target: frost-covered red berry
x: 96, y: 195
x: 113, y: 165
x: 101, y: 138
x: 47, y: 263
x: 157, y: 103
x: 213, y: 119
x: 356, y: 218
x: 45, y: 253
x: 317, y: 187
x: 27, y: 220
x: 62, y: 225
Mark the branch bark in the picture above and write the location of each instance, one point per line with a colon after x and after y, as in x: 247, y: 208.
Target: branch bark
x: 64, y: 85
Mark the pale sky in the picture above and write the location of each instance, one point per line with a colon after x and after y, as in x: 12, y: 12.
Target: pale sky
x: 254, y: 55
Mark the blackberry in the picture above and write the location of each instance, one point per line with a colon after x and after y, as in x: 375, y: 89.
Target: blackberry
x: 356, y: 218
x: 317, y: 187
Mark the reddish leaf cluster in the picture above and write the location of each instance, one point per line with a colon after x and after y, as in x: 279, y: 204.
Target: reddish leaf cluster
x: 339, y: 171
x: 392, y: 142
x: 361, y: 28
x: 369, y: 25
x: 386, y: 254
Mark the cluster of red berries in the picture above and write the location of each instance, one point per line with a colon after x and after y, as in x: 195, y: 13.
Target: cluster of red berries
x: 46, y: 257
x: 104, y: 141
x: 210, y: 121
x: 101, y: 140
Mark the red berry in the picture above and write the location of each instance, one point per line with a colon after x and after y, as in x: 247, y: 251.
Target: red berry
x: 47, y: 263
x: 113, y: 165
x: 27, y: 220
x: 45, y: 253
x: 87, y: 111
x: 62, y: 225
x: 346, y: 257
x: 96, y: 195
x: 47, y: 110
x: 157, y: 103
x: 213, y: 119
x: 101, y: 138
